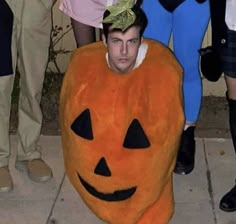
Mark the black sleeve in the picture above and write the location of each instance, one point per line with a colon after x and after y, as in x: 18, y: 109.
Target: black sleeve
x: 219, y: 27
x: 6, y: 25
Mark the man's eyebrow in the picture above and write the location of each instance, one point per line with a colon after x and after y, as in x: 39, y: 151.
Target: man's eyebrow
x: 116, y: 38
x: 135, y: 38
x: 131, y: 39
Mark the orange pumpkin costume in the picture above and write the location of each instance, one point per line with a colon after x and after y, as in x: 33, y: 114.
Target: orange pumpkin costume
x: 120, y: 133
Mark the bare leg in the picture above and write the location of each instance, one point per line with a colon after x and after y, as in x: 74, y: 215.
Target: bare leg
x: 231, y: 87
x: 84, y: 34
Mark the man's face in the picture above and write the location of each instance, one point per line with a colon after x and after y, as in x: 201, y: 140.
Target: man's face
x: 123, y: 49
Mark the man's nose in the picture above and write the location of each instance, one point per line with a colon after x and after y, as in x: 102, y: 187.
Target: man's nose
x: 124, y: 49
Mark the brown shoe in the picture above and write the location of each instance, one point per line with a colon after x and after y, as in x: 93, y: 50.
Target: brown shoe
x: 6, y: 183
x: 37, y: 169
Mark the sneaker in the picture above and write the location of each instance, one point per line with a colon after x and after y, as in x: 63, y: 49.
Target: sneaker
x: 36, y: 169
x: 6, y: 183
x: 186, y: 155
x: 228, y: 202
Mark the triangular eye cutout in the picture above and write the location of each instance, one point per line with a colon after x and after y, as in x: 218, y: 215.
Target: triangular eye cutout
x: 135, y: 137
x: 82, y: 125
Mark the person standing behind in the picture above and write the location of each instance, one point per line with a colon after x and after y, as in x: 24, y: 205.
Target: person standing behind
x: 30, y: 44
x: 223, y: 22
x: 6, y: 25
x: 86, y: 16
x: 187, y: 21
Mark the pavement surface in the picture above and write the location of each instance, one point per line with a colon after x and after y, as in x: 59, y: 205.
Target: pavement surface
x: 213, y: 118
x: 197, y: 195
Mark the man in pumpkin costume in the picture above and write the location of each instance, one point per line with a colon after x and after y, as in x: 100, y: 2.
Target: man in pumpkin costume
x: 121, y: 119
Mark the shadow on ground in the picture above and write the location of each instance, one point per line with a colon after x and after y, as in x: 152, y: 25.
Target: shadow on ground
x: 213, y: 120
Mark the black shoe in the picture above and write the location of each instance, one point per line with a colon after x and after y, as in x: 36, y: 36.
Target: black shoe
x: 185, y: 159
x: 228, y: 202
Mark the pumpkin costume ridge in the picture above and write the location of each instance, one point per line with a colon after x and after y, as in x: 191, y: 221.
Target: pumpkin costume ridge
x: 120, y: 133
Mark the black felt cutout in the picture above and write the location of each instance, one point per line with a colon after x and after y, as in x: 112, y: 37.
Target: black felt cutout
x: 116, y: 196
x: 135, y: 137
x: 82, y: 125
x: 102, y: 168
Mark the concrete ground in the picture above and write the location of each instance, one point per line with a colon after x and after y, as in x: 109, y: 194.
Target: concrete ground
x: 197, y: 195
x: 213, y: 119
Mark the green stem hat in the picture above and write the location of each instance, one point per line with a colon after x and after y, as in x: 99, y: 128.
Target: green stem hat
x: 121, y: 15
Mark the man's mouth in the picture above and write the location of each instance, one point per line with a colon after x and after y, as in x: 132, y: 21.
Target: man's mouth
x: 123, y: 60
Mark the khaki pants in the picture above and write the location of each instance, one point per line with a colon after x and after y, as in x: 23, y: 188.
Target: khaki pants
x: 30, y: 44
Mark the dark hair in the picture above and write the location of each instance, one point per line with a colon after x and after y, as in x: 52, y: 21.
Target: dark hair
x: 140, y: 21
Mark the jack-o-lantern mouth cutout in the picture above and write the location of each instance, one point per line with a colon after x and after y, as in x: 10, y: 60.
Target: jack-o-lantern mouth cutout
x: 118, y: 195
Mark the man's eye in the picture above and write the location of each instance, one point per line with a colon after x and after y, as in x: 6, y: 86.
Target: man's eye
x: 133, y: 41
x: 115, y: 41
